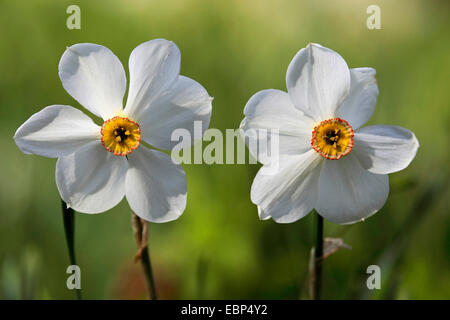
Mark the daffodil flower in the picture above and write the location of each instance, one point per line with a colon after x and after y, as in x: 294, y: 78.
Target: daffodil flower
x: 327, y: 161
x: 98, y: 165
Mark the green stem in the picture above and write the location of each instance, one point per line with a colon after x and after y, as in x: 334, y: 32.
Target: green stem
x: 318, y: 253
x: 147, y: 265
x: 69, y: 230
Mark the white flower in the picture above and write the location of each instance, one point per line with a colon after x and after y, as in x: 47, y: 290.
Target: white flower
x: 98, y: 166
x: 327, y: 161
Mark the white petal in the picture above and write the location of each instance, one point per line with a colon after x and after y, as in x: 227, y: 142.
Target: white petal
x: 360, y: 103
x: 270, y: 110
x: 385, y: 149
x: 318, y: 81
x: 178, y: 107
x: 56, y: 131
x: 156, y: 188
x: 262, y: 215
x: 95, y: 77
x: 154, y: 65
x: 91, y: 180
x: 349, y: 193
x: 289, y: 194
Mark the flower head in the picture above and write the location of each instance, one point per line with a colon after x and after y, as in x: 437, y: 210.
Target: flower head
x: 327, y: 161
x: 98, y: 165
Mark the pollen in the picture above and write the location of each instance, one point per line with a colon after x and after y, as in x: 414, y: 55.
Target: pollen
x: 120, y: 135
x: 333, y: 138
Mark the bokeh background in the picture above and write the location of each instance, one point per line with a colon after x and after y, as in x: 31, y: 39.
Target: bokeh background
x: 219, y: 248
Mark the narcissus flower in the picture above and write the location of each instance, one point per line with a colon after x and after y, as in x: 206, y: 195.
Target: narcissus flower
x: 327, y: 161
x: 98, y: 165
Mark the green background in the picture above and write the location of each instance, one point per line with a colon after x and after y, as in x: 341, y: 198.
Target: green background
x: 218, y: 248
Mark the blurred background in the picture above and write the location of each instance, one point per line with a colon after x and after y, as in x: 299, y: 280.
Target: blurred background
x: 219, y: 248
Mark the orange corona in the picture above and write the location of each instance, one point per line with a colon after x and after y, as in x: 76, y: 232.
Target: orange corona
x: 120, y: 135
x: 333, y: 138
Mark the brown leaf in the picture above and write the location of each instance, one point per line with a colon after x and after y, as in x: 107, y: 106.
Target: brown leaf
x: 140, y: 231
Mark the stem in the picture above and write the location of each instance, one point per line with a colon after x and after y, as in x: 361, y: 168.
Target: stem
x: 145, y: 257
x: 318, y: 253
x: 69, y: 230
x: 147, y: 265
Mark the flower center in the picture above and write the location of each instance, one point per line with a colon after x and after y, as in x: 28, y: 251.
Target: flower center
x: 120, y: 135
x: 332, y: 138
